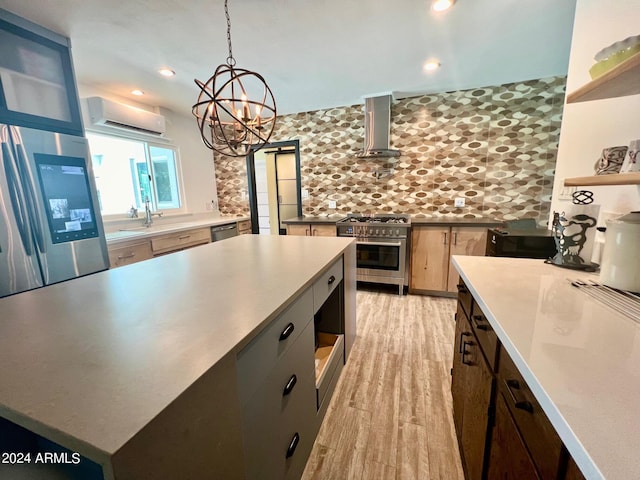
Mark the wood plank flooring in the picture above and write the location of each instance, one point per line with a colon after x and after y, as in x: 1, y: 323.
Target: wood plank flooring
x: 390, y: 417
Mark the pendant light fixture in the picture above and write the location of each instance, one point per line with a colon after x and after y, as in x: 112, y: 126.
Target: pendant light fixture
x: 235, y: 110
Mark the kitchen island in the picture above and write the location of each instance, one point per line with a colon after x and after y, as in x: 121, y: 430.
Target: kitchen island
x: 140, y: 369
x: 578, y: 357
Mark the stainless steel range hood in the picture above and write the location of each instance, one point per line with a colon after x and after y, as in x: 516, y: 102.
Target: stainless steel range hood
x: 377, y: 121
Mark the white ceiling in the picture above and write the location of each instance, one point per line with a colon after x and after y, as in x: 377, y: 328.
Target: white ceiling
x: 314, y: 54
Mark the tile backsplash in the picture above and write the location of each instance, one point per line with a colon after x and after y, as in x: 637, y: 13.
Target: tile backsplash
x: 495, y: 147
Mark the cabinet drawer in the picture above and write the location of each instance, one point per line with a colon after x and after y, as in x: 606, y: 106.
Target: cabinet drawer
x: 326, y: 284
x: 537, y: 432
x: 180, y: 240
x: 244, y: 227
x: 485, y: 334
x: 272, y: 417
x: 329, y: 355
x: 256, y: 360
x: 128, y: 254
x: 464, y: 297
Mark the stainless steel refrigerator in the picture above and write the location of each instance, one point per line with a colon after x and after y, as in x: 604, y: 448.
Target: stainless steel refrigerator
x: 50, y: 224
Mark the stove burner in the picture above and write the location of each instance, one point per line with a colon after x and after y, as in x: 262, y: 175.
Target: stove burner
x: 364, y: 219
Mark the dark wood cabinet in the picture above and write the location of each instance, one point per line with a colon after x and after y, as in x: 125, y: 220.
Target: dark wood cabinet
x: 509, y: 458
x: 502, y: 431
x: 472, y: 384
x: 573, y: 472
x: 541, y: 439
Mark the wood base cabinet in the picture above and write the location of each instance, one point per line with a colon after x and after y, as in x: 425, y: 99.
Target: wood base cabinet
x: 509, y: 455
x: 472, y: 386
x: 312, y: 229
x: 502, y: 431
x: 431, y: 251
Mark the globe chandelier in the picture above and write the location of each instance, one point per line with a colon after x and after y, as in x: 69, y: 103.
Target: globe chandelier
x: 235, y: 110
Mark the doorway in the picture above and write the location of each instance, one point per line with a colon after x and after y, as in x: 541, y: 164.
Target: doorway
x: 274, y: 182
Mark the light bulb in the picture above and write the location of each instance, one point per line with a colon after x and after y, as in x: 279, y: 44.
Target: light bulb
x: 441, y: 5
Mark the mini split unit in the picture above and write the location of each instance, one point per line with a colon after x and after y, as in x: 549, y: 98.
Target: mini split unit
x: 105, y: 112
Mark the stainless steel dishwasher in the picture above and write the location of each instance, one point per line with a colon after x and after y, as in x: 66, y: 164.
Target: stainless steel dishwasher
x: 220, y: 232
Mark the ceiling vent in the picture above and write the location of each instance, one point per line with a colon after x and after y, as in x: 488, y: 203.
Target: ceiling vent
x: 377, y: 124
x: 125, y: 117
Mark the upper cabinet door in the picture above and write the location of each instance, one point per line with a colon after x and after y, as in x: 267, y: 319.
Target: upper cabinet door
x: 37, y: 85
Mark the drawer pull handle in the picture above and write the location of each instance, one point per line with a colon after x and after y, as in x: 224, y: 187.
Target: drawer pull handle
x: 478, y: 323
x: 184, y: 237
x: 289, y: 386
x: 331, y: 280
x: 462, y: 289
x: 123, y: 257
x: 466, y: 352
x: 288, y: 330
x: 463, y: 334
x: 520, y: 404
x: 293, y: 445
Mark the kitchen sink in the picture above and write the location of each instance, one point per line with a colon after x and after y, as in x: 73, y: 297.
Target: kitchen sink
x: 122, y: 234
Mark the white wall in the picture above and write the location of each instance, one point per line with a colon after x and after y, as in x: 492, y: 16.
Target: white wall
x: 198, y: 173
x: 588, y: 127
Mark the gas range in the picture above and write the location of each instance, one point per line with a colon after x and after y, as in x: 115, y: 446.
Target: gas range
x: 373, y: 226
x: 381, y: 247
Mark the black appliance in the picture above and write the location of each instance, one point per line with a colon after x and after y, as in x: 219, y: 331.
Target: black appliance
x: 530, y: 243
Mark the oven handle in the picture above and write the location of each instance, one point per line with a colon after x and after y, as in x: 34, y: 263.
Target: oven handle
x: 381, y: 244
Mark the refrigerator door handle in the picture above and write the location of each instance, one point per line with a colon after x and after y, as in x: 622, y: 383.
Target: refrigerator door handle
x: 17, y: 197
x: 30, y: 194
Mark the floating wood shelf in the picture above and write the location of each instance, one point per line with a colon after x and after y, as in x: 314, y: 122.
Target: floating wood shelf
x: 614, y: 179
x: 622, y: 80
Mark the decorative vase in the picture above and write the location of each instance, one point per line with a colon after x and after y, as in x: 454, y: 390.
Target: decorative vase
x: 610, y: 160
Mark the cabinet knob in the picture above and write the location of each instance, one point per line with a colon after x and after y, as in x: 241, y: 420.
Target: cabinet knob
x: 331, y: 280
x: 288, y: 330
x: 293, y: 445
x: 289, y: 386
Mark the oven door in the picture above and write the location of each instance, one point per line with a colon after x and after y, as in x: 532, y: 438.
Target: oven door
x: 381, y: 258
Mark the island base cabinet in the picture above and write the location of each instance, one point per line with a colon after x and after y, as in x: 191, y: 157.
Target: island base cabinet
x: 509, y: 457
x: 278, y: 433
x: 471, y: 388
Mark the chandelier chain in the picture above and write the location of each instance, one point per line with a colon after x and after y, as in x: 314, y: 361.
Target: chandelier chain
x: 230, y: 60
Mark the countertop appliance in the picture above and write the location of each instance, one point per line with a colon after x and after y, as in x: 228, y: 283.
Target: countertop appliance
x: 621, y: 254
x: 527, y: 243
x: 381, y: 247
x: 221, y: 232
x: 50, y: 224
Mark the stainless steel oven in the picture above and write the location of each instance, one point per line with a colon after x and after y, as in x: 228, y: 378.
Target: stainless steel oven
x: 381, y: 247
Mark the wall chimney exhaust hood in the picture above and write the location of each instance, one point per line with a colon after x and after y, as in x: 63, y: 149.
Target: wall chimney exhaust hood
x: 377, y: 122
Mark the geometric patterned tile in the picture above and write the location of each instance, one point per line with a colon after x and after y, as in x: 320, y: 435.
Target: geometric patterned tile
x: 494, y: 146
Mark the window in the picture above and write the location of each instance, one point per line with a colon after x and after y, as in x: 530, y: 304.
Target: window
x: 128, y: 172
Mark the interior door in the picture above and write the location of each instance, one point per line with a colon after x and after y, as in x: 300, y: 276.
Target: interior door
x: 287, y: 187
x: 274, y: 187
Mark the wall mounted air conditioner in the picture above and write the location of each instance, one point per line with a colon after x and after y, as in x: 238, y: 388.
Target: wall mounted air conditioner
x: 118, y: 115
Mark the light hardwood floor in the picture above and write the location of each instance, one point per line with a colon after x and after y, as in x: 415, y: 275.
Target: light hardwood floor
x: 391, y: 414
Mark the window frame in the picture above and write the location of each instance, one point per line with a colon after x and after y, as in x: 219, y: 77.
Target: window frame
x: 147, y: 141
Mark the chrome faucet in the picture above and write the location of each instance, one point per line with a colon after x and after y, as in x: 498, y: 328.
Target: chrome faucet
x: 148, y: 214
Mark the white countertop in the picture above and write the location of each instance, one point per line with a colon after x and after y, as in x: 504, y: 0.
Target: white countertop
x: 580, y: 358
x: 89, y: 362
x: 133, y: 229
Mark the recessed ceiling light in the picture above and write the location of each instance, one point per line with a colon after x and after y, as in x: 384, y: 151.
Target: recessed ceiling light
x: 137, y: 92
x: 166, y: 72
x: 441, y: 5
x: 431, y: 65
